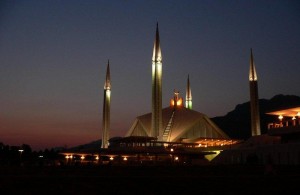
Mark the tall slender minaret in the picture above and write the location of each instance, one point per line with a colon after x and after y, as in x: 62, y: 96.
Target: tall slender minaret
x: 188, y: 96
x: 254, y: 101
x: 106, y: 110
x: 156, y: 122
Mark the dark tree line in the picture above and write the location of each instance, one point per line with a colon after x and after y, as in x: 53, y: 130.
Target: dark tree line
x: 24, y: 156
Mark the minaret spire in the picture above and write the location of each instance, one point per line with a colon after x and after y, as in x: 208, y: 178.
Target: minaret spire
x: 188, y: 96
x: 107, y: 80
x: 106, y: 109
x: 156, y: 121
x: 252, y: 71
x: 157, y: 57
x: 254, y: 100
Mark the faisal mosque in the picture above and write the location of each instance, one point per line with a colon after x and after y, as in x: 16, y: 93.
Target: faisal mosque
x: 177, y: 133
x: 176, y: 123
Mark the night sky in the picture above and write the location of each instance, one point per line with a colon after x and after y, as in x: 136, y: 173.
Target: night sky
x: 53, y: 58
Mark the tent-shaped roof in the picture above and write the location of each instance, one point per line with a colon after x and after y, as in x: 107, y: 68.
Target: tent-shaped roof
x: 182, y: 123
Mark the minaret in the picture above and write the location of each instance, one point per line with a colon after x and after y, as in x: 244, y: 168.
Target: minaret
x: 188, y: 96
x: 254, y: 101
x: 106, y: 110
x: 156, y: 122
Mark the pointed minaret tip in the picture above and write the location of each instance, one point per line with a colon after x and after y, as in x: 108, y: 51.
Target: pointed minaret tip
x: 252, y: 71
x: 107, y: 84
x: 157, y: 57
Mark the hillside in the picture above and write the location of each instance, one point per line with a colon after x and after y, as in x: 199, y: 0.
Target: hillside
x: 236, y: 123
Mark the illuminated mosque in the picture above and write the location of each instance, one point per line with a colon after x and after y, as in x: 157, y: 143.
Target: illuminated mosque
x: 176, y: 123
x: 177, y: 133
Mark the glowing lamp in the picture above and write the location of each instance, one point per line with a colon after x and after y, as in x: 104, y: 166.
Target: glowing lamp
x: 111, y: 158
x: 280, y: 117
x: 176, y: 101
x: 125, y: 158
x: 179, y: 102
x: 82, y: 157
x: 294, y: 118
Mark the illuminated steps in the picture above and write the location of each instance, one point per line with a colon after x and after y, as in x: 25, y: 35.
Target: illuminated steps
x: 167, y: 131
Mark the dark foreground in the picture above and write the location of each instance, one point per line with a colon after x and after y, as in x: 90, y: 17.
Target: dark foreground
x: 167, y: 180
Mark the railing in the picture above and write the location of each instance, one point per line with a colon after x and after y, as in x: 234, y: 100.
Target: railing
x: 284, y: 123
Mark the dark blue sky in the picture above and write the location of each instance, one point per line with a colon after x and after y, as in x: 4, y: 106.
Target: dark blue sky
x: 53, y: 57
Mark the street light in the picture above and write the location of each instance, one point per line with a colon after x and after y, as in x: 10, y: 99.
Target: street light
x: 21, y: 150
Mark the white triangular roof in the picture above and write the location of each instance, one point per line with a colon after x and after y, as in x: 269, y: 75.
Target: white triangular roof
x: 187, y: 124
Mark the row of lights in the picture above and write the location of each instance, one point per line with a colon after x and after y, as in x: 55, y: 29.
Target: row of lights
x: 112, y: 158
x: 97, y: 157
x: 205, y: 145
x: 280, y: 117
x: 71, y: 156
